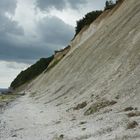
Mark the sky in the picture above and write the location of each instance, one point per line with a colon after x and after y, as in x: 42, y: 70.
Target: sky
x: 31, y: 29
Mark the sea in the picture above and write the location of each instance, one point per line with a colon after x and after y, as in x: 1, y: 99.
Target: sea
x: 3, y: 90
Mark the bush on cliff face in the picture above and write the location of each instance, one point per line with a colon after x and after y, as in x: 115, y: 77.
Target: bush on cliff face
x: 87, y: 20
x: 92, y: 16
x: 31, y: 72
x: 109, y: 4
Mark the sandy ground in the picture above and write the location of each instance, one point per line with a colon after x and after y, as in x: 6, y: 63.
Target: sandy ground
x: 26, y: 119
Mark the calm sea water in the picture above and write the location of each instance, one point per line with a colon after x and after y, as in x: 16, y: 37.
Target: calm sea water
x: 3, y: 90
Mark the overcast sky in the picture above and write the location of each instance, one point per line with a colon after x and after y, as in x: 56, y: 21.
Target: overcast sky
x: 31, y: 29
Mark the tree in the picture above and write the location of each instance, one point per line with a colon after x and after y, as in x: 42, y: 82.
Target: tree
x: 106, y: 4
x: 87, y: 20
x: 109, y: 4
x: 31, y: 72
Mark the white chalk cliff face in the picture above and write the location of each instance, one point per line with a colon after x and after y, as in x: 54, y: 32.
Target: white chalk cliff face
x: 93, y: 93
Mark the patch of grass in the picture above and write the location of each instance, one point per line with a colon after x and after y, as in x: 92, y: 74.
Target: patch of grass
x: 83, y: 129
x: 132, y: 125
x: 59, y: 104
x: 80, y: 106
x: 99, y: 105
x: 134, y: 114
x: 58, y: 122
x: 81, y: 123
x: 14, y: 135
x: 129, y: 109
x: 8, y: 97
x: 61, y: 137
x: 33, y: 94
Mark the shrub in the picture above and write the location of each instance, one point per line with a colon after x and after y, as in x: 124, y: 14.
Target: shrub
x: 92, y: 16
x: 80, y: 106
x: 31, y: 72
x: 109, y: 4
x: 87, y: 20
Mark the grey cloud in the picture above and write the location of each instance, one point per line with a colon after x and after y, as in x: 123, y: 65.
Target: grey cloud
x: 59, y: 4
x: 54, y: 31
x: 8, y: 6
x: 75, y: 3
x: 52, y: 34
x: 26, y: 54
x: 45, y: 4
x: 11, y: 49
x: 15, y: 65
x: 8, y: 26
x: 8, y: 29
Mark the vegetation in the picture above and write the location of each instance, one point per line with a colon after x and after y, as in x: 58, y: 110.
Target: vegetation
x: 109, y: 4
x: 80, y: 106
x: 87, y: 20
x: 132, y: 125
x: 133, y: 114
x: 92, y: 16
x: 52, y: 65
x: 96, y: 107
x: 31, y: 72
x: 7, y: 97
x: 33, y: 94
x: 130, y: 108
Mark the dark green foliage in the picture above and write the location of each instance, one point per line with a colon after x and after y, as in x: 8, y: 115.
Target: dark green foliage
x: 80, y: 106
x: 87, y: 20
x: 109, y: 4
x: 54, y: 63
x: 91, y: 16
x: 31, y: 72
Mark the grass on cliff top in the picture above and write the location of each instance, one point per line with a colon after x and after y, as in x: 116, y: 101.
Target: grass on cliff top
x: 7, y: 97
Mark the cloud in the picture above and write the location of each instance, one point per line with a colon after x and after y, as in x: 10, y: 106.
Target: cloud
x: 30, y: 37
x: 60, y: 5
x: 7, y: 25
x: 55, y: 32
x: 8, y: 5
x: 9, y: 29
x: 17, y: 45
x: 23, y: 53
x: 8, y: 71
x: 52, y: 34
